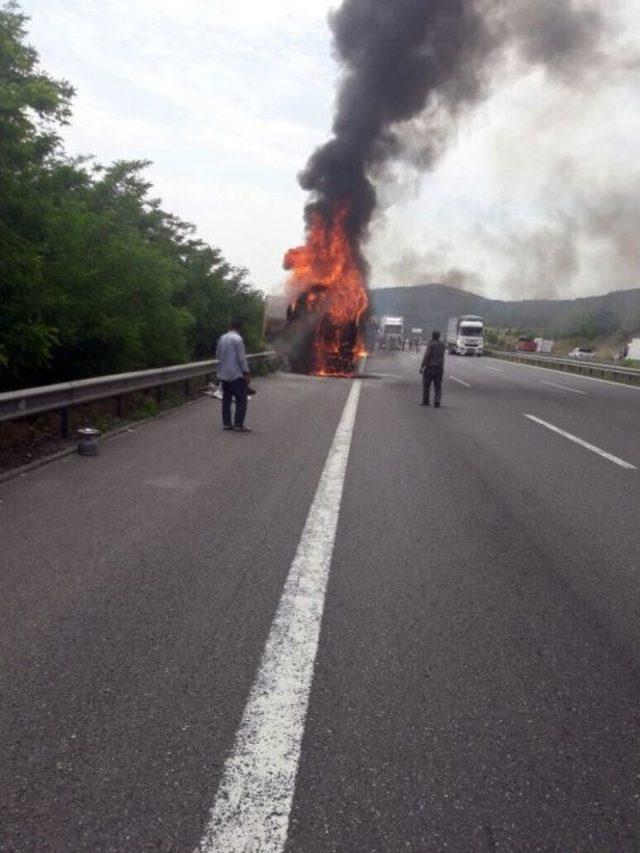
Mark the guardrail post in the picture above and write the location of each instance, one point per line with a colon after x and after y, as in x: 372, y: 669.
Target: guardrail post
x: 64, y: 422
x: 187, y: 387
x: 119, y: 407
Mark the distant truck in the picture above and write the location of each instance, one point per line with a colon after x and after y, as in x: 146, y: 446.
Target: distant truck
x: 526, y: 343
x: 633, y: 350
x: 391, y: 332
x: 465, y: 335
x: 542, y: 346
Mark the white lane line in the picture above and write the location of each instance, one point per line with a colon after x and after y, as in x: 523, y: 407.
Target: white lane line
x: 568, y: 373
x: 562, y: 387
x: 582, y: 443
x: 252, y: 806
x: 460, y: 381
x: 497, y: 369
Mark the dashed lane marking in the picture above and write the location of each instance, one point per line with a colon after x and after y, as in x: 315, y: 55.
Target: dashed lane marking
x: 252, y: 806
x: 460, y: 381
x: 615, y: 459
x: 563, y: 387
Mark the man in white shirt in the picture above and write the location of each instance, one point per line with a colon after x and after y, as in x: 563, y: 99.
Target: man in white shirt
x: 233, y: 373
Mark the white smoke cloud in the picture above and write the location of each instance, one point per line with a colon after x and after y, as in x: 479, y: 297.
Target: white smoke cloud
x: 538, y: 195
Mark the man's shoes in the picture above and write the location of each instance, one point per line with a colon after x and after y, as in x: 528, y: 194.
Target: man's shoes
x: 227, y: 429
x: 437, y: 405
x: 242, y: 429
x: 424, y: 404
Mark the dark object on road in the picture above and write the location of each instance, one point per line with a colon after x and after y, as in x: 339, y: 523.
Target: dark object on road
x: 87, y: 441
x: 432, y: 369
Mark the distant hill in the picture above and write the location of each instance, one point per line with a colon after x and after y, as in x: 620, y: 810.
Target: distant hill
x: 429, y: 306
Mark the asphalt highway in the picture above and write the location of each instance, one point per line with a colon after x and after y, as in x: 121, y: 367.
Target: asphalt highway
x: 365, y: 626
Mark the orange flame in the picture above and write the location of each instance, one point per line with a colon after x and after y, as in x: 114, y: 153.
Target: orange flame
x: 327, y: 272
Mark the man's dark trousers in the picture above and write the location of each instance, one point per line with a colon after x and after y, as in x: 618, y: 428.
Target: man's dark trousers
x: 429, y: 375
x: 236, y: 390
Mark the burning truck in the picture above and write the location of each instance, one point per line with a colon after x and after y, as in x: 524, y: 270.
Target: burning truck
x: 317, y: 344
x: 329, y: 304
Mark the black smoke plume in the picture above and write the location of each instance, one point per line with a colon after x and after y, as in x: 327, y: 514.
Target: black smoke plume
x: 397, y: 56
x: 404, y: 60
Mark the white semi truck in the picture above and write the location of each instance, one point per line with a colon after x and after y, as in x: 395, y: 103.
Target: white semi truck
x: 543, y: 346
x: 391, y: 332
x: 465, y: 335
x: 634, y: 349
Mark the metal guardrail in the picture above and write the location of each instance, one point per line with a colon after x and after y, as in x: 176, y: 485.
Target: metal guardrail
x: 60, y: 398
x: 626, y: 375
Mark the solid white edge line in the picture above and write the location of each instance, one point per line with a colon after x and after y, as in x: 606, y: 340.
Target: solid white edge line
x: 572, y: 375
x: 460, y: 381
x: 253, y: 803
x: 497, y: 369
x: 562, y: 387
x: 583, y: 443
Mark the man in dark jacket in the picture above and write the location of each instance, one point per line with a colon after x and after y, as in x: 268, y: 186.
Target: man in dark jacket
x: 432, y: 370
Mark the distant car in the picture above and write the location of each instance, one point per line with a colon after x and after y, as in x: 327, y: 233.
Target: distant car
x: 582, y: 353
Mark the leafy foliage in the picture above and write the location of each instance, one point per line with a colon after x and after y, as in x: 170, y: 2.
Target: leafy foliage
x: 94, y: 276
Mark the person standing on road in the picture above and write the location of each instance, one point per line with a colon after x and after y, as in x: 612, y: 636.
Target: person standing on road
x: 432, y: 370
x: 233, y: 373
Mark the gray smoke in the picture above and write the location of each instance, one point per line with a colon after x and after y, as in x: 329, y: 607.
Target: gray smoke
x: 613, y: 218
x: 410, y: 67
x: 565, y: 37
x: 541, y: 259
x: 601, y: 225
x: 400, y: 58
x: 416, y: 268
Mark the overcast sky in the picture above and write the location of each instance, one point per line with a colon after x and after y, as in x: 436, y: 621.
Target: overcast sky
x: 537, y: 195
